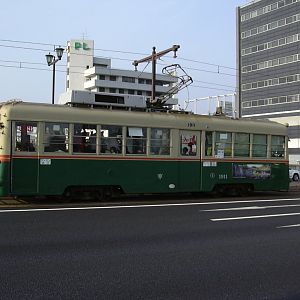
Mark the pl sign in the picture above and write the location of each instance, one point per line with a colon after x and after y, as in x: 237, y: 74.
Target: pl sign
x: 83, y: 46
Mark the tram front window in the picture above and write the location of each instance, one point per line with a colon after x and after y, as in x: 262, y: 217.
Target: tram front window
x: 26, y: 136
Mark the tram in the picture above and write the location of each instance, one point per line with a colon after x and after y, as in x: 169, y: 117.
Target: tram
x: 63, y: 150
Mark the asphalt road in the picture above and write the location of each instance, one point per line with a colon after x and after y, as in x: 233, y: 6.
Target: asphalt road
x: 220, y: 249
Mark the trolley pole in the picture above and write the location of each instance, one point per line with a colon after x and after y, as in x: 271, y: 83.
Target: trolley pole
x: 153, y: 74
x: 153, y: 58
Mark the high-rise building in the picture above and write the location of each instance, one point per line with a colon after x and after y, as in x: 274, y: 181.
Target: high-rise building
x: 268, y: 60
x: 85, y: 72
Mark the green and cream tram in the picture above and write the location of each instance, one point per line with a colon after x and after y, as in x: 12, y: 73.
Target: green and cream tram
x: 64, y: 150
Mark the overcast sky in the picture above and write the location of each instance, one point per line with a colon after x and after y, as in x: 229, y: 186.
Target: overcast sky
x: 205, y: 31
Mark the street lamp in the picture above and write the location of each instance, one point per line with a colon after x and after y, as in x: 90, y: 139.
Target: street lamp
x: 51, y: 60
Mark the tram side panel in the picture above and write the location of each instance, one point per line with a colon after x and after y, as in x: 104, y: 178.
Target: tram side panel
x: 133, y: 176
x: 24, y: 175
x: 261, y: 176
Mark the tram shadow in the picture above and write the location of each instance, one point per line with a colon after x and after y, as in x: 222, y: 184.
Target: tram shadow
x: 42, y: 201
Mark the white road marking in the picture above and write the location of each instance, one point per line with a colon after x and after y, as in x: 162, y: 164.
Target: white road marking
x: 140, y: 206
x: 251, y: 207
x: 254, y: 217
x: 289, y: 226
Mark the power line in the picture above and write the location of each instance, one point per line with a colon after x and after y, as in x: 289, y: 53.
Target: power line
x: 211, y: 88
x: 206, y: 63
x: 214, y: 83
x: 74, y: 72
x: 26, y: 42
x: 118, y: 51
x: 24, y: 48
x: 124, y: 59
x: 21, y: 63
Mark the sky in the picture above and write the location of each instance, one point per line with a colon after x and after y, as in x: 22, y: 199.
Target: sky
x: 204, y: 29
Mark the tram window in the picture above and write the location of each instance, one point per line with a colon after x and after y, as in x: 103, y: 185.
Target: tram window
x: 259, y: 145
x: 208, y: 143
x: 56, y: 137
x: 111, y: 139
x: 188, y: 145
x: 136, y: 140
x: 242, y: 145
x: 160, y: 141
x: 26, y: 136
x: 84, y: 138
x: 277, y: 146
x: 223, y: 144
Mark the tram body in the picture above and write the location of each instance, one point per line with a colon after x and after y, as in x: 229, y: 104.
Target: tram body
x: 62, y: 150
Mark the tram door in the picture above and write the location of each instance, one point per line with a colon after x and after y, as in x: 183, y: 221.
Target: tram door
x: 24, y: 158
x: 189, y: 163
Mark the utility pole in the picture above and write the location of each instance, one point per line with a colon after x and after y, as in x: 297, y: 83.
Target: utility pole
x: 153, y: 58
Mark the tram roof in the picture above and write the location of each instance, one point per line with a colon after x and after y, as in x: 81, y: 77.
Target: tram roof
x: 61, y: 113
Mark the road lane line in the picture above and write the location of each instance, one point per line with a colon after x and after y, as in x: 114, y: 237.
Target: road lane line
x: 141, y: 205
x: 253, y: 217
x: 289, y: 226
x: 250, y: 208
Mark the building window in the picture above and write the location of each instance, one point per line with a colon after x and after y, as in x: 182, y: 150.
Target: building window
x: 101, y: 89
x: 271, y: 82
x: 140, y: 93
x: 128, y: 79
x: 101, y: 77
x: 271, y: 26
x: 131, y: 92
x: 112, y: 90
x: 113, y: 78
x: 121, y: 91
x: 142, y: 81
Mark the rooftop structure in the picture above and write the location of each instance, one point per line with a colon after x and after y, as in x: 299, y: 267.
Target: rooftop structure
x: 86, y: 72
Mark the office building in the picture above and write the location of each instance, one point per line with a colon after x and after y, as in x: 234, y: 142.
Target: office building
x: 268, y: 60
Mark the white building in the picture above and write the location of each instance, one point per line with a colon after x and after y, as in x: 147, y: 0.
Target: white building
x: 94, y: 74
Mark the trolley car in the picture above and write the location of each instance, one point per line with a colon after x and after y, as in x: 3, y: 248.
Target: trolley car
x: 63, y: 150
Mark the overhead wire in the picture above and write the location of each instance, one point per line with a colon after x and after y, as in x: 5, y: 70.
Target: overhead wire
x: 114, y: 51
x: 74, y: 72
x: 20, y: 65
x: 115, y: 58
